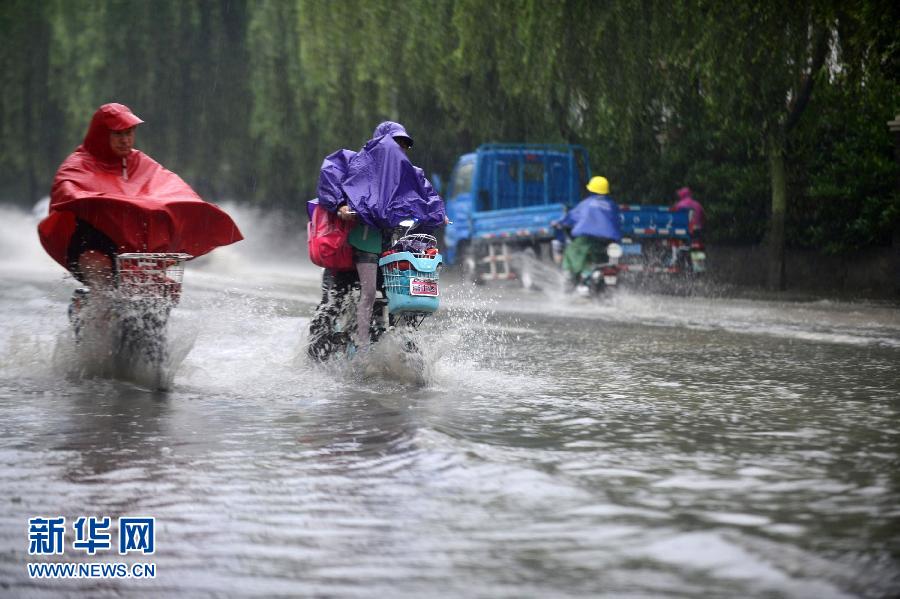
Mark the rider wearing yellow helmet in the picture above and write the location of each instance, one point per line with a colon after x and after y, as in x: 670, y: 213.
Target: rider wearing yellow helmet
x: 594, y: 224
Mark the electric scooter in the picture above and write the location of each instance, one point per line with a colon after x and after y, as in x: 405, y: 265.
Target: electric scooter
x: 132, y: 314
x: 407, y: 293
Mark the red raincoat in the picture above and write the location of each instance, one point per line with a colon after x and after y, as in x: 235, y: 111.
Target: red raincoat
x: 138, y: 204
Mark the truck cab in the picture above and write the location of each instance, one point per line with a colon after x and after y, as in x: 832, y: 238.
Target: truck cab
x: 503, y: 198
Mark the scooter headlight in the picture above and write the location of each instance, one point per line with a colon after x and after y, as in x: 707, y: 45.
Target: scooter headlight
x: 614, y: 250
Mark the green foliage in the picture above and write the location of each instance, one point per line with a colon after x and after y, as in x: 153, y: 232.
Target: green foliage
x: 847, y: 177
x: 244, y: 98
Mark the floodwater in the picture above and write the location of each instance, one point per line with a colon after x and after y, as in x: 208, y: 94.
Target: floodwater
x: 651, y: 446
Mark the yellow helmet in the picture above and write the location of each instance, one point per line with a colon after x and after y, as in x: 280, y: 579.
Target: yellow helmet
x: 598, y: 185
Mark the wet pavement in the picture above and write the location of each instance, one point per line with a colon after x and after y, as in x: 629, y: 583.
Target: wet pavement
x: 651, y: 445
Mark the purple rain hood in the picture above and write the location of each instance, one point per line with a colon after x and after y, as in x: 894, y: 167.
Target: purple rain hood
x: 393, y: 129
x: 380, y: 184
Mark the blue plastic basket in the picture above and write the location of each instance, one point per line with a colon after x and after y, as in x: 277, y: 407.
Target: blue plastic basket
x: 401, y: 284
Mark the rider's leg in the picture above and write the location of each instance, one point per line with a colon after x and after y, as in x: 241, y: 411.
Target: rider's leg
x: 94, y: 250
x: 318, y: 324
x: 367, y: 267
x: 557, y: 248
x: 96, y: 268
x: 327, y: 285
x: 572, y: 262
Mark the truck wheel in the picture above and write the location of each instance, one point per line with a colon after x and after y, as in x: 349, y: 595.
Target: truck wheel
x: 545, y: 252
x: 469, y: 265
x: 526, y: 270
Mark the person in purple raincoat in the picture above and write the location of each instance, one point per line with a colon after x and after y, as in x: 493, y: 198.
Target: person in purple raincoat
x: 377, y: 188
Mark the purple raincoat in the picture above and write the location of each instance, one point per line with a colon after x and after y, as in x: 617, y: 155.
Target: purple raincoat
x: 594, y: 216
x: 380, y: 184
x: 334, y: 170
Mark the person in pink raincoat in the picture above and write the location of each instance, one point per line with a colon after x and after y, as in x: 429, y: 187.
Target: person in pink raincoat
x: 686, y: 201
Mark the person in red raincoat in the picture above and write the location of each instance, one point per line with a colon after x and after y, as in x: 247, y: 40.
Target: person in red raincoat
x: 109, y: 198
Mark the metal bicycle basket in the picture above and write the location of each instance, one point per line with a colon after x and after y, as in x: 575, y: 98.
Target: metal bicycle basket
x: 410, y: 272
x: 151, y: 275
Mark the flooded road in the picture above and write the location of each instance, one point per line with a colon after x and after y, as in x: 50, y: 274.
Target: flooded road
x: 652, y: 446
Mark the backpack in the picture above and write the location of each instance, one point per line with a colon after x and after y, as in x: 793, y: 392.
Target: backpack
x: 327, y: 236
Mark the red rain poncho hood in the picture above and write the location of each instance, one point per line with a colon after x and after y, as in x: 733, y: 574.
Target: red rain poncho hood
x: 135, y: 201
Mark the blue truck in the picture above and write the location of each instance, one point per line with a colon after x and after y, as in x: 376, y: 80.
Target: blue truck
x: 503, y: 198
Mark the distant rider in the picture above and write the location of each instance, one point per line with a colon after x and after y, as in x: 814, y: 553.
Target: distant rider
x: 686, y: 201
x: 377, y: 187
x: 594, y: 224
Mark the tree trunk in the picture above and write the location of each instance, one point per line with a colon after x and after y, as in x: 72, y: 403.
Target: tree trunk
x: 895, y: 239
x: 775, y: 147
x: 775, y: 272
